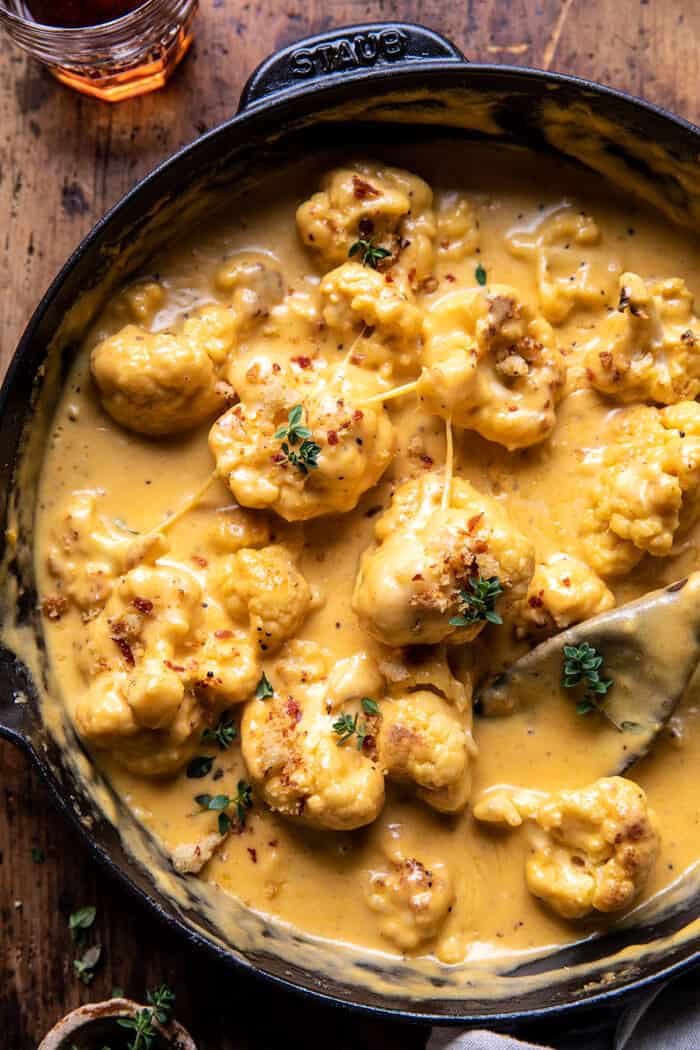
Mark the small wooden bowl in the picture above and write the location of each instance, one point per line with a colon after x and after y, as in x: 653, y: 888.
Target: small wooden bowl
x: 95, y: 1025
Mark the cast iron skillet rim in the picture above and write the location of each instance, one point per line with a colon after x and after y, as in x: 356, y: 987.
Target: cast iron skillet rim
x: 423, y: 74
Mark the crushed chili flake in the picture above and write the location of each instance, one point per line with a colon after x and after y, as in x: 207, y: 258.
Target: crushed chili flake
x: 427, y: 461
x: 54, y: 606
x: 450, y: 277
x: 293, y: 710
x: 172, y: 666
x: 606, y: 359
x: 223, y: 634
x: 253, y: 853
x: 199, y: 560
x: 302, y: 361
x: 474, y: 521
x: 144, y: 605
x: 276, y: 367
x: 279, y: 457
x: 418, y: 576
x: 364, y: 190
x: 332, y: 436
x: 535, y: 601
x: 566, y: 581
x: 124, y: 648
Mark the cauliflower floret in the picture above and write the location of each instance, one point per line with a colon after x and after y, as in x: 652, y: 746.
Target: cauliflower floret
x: 646, y: 473
x: 300, y: 769
x: 138, y: 303
x: 253, y: 284
x: 356, y: 300
x: 598, y: 848
x: 422, y: 739
x: 568, y: 274
x: 491, y: 366
x: 155, y: 383
x: 265, y: 588
x: 90, y: 552
x: 159, y: 665
x: 411, y: 586
x: 347, y: 452
x: 563, y: 591
x: 648, y: 349
x: 426, y: 667
x: 388, y: 207
x: 235, y: 528
x: 413, y: 900
x: 457, y: 227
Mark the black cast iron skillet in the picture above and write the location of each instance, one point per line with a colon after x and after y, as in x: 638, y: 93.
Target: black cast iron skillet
x: 373, y: 83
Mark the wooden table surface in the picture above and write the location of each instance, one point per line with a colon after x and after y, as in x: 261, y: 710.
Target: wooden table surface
x: 63, y: 160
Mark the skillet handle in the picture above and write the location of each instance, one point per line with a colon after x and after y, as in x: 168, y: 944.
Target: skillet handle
x: 344, y: 53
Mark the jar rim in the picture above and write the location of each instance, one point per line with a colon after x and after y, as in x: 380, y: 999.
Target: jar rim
x: 99, y: 28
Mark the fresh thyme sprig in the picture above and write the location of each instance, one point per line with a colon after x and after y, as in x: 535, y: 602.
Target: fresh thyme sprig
x: 478, y: 602
x: 371, y: 254
x: 161, y: 1002
x: 346, y: 726
x: 306, y: 456
x: 81, y: 920
x: 582, y: 665
x: 223, y: 734
x: 84, y: 968
x: 264, y: 690
x: 242, y: 801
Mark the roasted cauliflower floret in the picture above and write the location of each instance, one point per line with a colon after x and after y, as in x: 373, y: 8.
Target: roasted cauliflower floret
x: 359, y: 301
x: 298, y: 767
x: 646, y: 480
x: 235, y: 528
x: 265, y: 588
x: 416, y: 582
x: 155, y: 382
x: 413, y: 900
x: 570, y: 274
x: 563, y: 591
x: 422, y: 739
x: 91, y: 551
x: 159, y: 665
x: 252, y: 283
x: 386, y: 207
x: 491, y: 366
x: 343, y: 452
x: 139, y: 303
x: 457, y: 227
x: 596, y: 849
x: 648, y: 349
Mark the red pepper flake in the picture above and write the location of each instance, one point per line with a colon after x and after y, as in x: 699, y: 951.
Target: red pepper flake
x: 364, y: 190
x: 124, y: 648
x: 332, y: 436
x: 302, y: 361
x: 276, y: 367
x: 54, y: 606
x: 566, y: 580
x: 279, y: 457
x: 223, y: 634
x: 606, y: 359
x: 144, y: 605
x: 293, y: 710
x: 426, y: 461
x: 389, y: 278
x: 535, y: 601
x: 474, y: 521
x: 357, y: 415
x: 418, y: 576
x: 450, y: 277
x: 172, y: 666
x: 199, y: 560
x: 253, y: 854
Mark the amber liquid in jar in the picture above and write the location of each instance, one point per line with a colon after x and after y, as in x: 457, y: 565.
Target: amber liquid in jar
x: 72, y: 14
x: 110, y: 49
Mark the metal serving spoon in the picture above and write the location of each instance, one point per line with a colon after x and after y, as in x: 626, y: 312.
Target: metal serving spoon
x: 650, y: 649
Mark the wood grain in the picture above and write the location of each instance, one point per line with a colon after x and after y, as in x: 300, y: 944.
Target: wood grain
x: 63, y: 160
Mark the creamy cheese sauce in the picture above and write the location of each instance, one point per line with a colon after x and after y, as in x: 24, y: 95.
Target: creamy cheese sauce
x: 317, y: 878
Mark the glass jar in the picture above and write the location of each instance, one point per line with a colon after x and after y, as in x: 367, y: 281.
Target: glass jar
x: 114, y: 60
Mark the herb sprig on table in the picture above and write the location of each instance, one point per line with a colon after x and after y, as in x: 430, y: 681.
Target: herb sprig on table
x: 161, y: 1001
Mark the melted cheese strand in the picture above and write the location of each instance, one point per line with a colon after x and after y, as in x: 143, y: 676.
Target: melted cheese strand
x: 449, y: 464
x: 398, y: 391
x: 187, y: 506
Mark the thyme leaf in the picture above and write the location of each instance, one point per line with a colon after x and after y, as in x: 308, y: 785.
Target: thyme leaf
x: 478, y: 602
